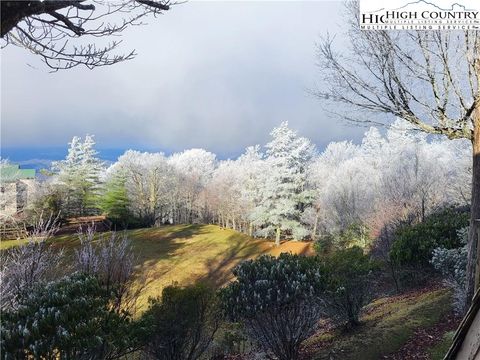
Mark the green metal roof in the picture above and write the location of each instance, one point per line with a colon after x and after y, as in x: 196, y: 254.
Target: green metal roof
x: 12, y: 173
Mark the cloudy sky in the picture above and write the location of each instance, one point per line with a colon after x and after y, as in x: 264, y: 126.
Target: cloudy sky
x: 216, y: 75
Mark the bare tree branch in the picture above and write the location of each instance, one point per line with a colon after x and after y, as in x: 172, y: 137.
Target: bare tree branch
x: 420, y: 76
x: 51, y: 29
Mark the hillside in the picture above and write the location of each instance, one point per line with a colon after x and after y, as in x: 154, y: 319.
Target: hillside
x: 188, y: 253
x: 414, y: 325
x: 391, y: 326
x: 185, y: 254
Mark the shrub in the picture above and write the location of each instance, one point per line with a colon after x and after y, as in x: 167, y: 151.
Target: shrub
x: 231, y: 341
x: 278, y: 300
x: 452, y: 264
x: 110, y: 259
x: 414, y: 244
x: 181, y: 325
x: 28, y: 265
x: 68, y: 318
x: 348, y: 276
x: 355, y: 234
x: 325, y: 244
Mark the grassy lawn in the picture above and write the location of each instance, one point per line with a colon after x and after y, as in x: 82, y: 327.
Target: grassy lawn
x: 438, y: 351
x: 185, y: 254
x: 387, y: 324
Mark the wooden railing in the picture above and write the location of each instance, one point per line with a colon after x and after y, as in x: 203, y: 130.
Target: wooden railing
x: 9, y: 232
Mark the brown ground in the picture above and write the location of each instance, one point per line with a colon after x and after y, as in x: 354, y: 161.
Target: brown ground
x: 423, y: 339
x: 295, y: 247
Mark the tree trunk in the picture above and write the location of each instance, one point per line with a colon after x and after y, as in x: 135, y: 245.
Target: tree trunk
x: 315, y: 227
x: 473, y: 246
x: 277, y: 237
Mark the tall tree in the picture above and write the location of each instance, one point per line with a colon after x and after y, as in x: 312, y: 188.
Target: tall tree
x: 114, y: 200
x: 194, y: 169
x: 80, y: 174
x: 51, y: 28
x: 428, y: 78
x: 283, y: 192
x: 148, y: 184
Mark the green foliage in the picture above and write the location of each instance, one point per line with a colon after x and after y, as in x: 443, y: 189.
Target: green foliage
x: 182, y: 324
x: 348, y: 274
x: 270, y: 282
x: 69, y: 318
x: 47, y: 200
x: 114, y: 201
x: 439, y: 350
x: 414, y: 244
x: 354, y: 235
x: 231, y: 340
x: 325, y: 244
x: 278, y: 300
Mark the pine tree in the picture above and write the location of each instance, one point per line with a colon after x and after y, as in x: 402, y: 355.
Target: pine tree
x: 80, y: 174
x: 91, y: 167
x: 114, y: 201
x: 283, y: 193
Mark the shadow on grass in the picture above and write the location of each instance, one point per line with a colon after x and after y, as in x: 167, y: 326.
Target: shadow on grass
x: 153, y: 245
x: 219, y: 271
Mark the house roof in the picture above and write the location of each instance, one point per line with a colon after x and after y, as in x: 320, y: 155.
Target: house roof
x: 12, y: 173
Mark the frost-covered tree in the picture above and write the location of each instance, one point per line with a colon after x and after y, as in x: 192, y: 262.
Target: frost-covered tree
x: 110, y: 259
x: 252, y: 168
x: 29, y: 265
x: 149, y: 183
x: 283, y: 192
x: 428, y: 78
x: 225, y: 195
x: 233, y: 191
x: 80, y: 174
x: 194, y: 169
x: 322, y: 217
x: 401, y: 175
x: 452, y: 264
x: 290, y: 192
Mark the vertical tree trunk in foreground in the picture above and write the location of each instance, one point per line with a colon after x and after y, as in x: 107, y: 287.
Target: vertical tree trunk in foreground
x: 473, y: 236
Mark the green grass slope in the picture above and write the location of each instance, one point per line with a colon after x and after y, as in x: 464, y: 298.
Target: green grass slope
x: 387, y: 324
x: 184, y: 254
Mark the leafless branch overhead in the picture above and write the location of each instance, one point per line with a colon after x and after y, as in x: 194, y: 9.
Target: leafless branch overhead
x: 51, y: 29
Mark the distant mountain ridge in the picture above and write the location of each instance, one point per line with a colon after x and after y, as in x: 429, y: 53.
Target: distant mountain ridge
x: 42, y: 158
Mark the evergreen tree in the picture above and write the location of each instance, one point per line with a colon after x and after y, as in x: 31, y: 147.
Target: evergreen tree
x: 283, y: 193
x: 91, y: 168
x: 80, y: 173
x: 114, y: 201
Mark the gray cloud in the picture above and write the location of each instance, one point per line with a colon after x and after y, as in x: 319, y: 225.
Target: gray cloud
x: 217, y: 75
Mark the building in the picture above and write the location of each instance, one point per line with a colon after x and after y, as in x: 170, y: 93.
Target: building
x: 16, y: 188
